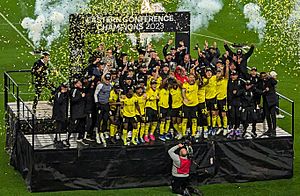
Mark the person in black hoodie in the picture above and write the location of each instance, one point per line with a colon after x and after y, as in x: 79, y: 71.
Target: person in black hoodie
x: 270, y: 101
x: 40, y: 73
x: 90, y: 110
x: 60, y: 111
x: 240, y: 59
x: 249, y: 113
x: 77, y: 107
x: 235, y: 90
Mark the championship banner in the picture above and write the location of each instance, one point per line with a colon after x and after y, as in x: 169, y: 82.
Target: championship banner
x: 83, y: 24
x: 156, y: 22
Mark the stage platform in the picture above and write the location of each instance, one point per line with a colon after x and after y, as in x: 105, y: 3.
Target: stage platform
x: 217, y: 160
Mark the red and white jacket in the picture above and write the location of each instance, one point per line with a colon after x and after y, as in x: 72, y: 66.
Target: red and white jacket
x: 181, y: 165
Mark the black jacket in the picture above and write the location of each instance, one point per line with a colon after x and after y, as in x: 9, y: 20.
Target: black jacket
x: 269, y: 97
x: 248, y: 97
x: 77, y: 104
x: 60, y: 107
x: 234, y: 99
x: 90, y: 106
x: 39, y: 70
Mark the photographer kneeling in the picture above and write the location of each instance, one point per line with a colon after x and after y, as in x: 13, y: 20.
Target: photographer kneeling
x: 181, y: 171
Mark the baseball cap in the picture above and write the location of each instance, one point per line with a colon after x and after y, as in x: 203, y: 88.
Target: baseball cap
x: 153, y: 82
x: 107, y: 76
x: 254, y: 68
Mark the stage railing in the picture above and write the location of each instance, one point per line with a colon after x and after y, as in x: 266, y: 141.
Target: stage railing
x: 291, y: 114
x: 11, y: 87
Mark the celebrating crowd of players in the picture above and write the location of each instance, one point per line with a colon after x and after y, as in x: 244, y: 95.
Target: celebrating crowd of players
x: 139, y: 101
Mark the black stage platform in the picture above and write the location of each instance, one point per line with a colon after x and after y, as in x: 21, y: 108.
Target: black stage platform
x: 46, y: 168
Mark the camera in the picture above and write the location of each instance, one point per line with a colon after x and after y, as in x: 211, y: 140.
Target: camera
x: 173, y: 66
x: 187, y: 144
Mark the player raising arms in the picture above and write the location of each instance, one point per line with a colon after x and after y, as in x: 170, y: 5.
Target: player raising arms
x: 164, y: 110
x: 210, y: 98
x: 177, y: 102
x: 222, y: 83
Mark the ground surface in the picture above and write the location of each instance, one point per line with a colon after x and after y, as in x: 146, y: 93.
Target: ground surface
x: 228, y: 24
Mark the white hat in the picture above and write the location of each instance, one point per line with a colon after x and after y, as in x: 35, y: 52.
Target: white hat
x: 273, y: 74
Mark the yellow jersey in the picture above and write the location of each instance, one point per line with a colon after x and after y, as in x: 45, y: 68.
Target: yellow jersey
x: 129, y: 106
x: 222, y: 88
x: 211, y: 88
x: 141, y: 100
x: 191, y: 92
x: 151, y: 101
x: 163, y: 98
x: 158, y: 81
x: 176, y: 98
x: 201, y: 94
x: 113, y: 98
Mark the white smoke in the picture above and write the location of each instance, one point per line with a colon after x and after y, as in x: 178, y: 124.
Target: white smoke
x: 202, y: 11
x: 256, y: 21
x: 294, y: 17
x: 145, y: 38
x: 52, y: 16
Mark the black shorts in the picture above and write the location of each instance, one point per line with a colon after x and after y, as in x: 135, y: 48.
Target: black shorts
x: 211, y: 104
x: 164, y: 112
x: 151, y: 115
x: 202, y: 109
x: 128, y: 120
x: 113, y: 112
x: 141, y: 119
x: 190, y: 112
x: 222, y: 105
x: 176, y: 112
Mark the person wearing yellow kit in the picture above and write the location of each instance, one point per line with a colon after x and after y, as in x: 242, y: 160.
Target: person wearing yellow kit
x: 202, y: 110
x: 190, y: 102
x: 141, y: 118
x: 114, y: 115
x: 222, y: 82
x: 176, y: 96
x: 151, y: 111
x: 129, y: 110
x: 210, y: 99
x: 164, y: 110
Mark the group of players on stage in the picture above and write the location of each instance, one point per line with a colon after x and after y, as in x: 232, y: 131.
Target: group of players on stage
x: 178, y: 96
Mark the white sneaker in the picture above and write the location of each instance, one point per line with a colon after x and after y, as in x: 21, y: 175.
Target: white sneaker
x: 205, y: 134
x: 178, y: 136
x: 129, y: 134
x: 102, y: 137
x: 219, y: 131
x: 106, y: 134
x: 225, y: 132
x: 198, y: 134
x: 98, y: 141
x: 279, y: 116
x: 82, y: 142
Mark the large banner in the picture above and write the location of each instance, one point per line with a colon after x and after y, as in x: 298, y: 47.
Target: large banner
x: 82, y: 24
x: 156, y: 22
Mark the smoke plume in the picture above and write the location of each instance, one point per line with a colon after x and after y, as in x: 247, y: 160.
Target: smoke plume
x: 256, y: 21
x: 202, y: 11
x: 51, y: 17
